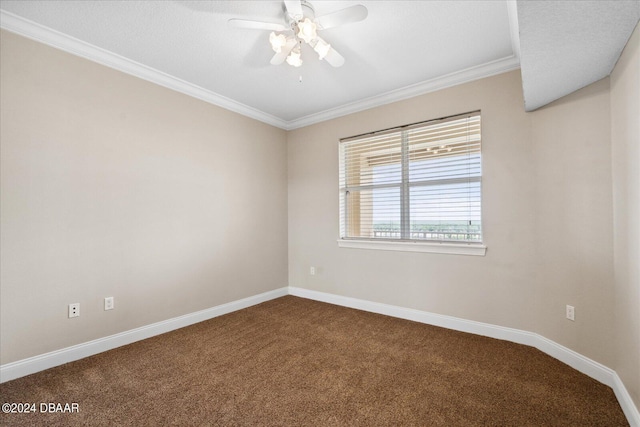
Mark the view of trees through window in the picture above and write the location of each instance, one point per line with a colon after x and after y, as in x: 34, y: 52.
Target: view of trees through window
x: 416, y: 183
x: 437, y: 211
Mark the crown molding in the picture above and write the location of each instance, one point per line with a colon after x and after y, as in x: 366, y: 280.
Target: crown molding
x: 514, y: 27
x: 453, y: 79
x: 58, y: 40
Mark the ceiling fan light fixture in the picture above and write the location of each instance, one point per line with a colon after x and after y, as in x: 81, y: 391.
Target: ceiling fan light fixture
x: 307, y: 30
x: 322, y: 48
x: 302, y: 26
x: 277, y: 41
x: 294, y: 59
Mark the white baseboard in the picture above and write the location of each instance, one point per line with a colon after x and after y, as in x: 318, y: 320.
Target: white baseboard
x: 41, y: 362
x: 626, y: 403
x: 577, y: 361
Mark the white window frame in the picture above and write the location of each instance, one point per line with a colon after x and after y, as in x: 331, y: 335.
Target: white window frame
x: 405, y: 243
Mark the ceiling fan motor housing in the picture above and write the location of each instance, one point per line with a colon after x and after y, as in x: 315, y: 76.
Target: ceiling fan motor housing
x: 308, y: 11
x: 301, y: 18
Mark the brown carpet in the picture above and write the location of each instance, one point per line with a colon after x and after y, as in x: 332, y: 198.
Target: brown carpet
x: 297, y: 362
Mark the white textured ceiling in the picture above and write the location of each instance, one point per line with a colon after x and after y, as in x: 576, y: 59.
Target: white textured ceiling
x: 401, y: 45
x: 567, y: 45
x: 402, y: 49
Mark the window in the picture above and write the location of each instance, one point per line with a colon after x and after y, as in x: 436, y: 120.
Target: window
x: 416, y: 183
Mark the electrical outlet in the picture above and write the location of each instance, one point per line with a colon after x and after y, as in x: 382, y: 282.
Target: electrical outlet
x: 108, y: 303
x: 571, y: 312
x: 74, y: 310
x: 312, y: 271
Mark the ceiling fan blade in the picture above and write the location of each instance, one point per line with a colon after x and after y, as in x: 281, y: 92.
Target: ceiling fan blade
x: 279, y: 58
x: 334, y: 58
x: 340, y: 17
x: 294, y: 8
x: 255, y: 25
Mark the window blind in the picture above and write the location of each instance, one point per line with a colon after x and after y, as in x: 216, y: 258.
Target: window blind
x: 416, y: 182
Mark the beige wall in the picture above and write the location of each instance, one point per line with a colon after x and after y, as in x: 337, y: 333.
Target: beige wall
x: 497, y: 288
x: 113, y: 186
x: 573, y: 217
x: 546, y: 211
x: 625, y: 136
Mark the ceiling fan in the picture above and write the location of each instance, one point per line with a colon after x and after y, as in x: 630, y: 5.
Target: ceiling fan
x: 302, y: 26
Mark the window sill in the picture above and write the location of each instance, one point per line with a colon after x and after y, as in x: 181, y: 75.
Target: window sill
x: 430, y: 247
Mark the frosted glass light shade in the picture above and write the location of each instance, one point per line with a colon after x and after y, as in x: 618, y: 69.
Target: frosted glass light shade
x: 307, y: 30
x: 322, y: 48
x: 294, y: 59
x: 277, y: 41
